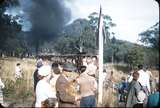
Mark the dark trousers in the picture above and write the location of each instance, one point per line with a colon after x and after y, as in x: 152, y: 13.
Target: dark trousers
x: 88, y: 101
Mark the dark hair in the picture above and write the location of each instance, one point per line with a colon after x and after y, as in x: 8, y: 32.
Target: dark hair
x: 82, y: 69
x: 55, y: 68
x: 54, y: 65
x: 18, y: 64
x: 135, y: 75
x: 140, y: 66
x: 50, y: 102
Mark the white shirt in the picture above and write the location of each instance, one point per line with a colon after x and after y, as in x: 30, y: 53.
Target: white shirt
x: 1, y: 83
x: 18, y: 70
x: 43, y: 92
x: 144, y: 79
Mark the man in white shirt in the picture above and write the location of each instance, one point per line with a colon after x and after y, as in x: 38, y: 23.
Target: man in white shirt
x: 144, y: 79
x: 43, y: 88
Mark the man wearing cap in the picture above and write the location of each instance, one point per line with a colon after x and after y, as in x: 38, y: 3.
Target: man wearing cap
x: 66, y: 86
x: 43, y: 88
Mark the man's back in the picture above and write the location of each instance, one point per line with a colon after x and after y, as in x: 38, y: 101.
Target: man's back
x: 87, y: 85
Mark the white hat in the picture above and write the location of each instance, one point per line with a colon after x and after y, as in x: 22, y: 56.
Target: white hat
x: 44, y: 70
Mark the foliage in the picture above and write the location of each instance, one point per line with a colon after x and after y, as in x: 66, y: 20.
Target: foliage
x: 135, y: 56
x: 150, y: 37
x: 9, y: 27
x: 82, y: 39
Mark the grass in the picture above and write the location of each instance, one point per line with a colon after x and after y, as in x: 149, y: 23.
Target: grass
x: 21, y: 90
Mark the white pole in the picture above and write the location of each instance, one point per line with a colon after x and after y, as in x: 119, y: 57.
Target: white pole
x: 100, y: 87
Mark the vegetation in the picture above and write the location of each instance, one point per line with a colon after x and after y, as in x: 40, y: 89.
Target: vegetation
x: 79, y: 36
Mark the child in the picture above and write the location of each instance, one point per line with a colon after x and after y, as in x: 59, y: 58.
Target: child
x: 18, y: 71
x: 1, y: 92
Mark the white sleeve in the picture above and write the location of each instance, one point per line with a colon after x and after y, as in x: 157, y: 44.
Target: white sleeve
x: 130, y: 78
x: 2, y: 84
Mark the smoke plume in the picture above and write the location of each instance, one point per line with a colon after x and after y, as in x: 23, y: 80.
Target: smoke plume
x: 48, y: 17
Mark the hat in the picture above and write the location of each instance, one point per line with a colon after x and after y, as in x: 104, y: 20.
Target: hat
x: 44, y: 70
x: 69, y: 67
x: 39, y: 64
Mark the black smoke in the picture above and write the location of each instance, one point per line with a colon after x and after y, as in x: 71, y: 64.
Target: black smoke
x: 47, y: 17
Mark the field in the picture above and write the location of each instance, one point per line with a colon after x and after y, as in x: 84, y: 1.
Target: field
x: 20, y: 93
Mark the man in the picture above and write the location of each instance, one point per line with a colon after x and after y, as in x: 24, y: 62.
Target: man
x: 43, y: 88
x: 35, y: 75
x: 66, y: 86
x: 88, y: 87
x: 133, y: 90
x: 144, y: 81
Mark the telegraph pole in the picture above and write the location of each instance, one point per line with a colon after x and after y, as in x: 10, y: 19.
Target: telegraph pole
x: 100, y: 37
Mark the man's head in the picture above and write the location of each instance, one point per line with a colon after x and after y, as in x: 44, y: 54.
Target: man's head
x: 135, y: 75
x: 140, y: 66
x: 39, y: 64
x: 55, y: 68
x: 18, y: 64
x: 82, y: 69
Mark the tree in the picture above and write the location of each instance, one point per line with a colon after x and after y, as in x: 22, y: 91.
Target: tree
x: 135, y: 56
x: 81, y: 39
x: 150, y: 37
x: 9, y: 27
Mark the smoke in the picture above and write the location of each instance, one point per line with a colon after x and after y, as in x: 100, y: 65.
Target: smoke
x: 47, y: 17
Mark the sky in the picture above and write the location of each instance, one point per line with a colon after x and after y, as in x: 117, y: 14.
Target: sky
x: 130, y: 16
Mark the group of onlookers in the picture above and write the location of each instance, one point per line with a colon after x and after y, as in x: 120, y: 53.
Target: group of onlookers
x: 139, y: 92
x: 60, y: 85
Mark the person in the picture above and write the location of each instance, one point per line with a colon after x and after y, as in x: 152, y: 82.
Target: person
x: 88, y: 88
x: 66, y: 86
x: 133, y: 89
x: 153, y: 99
x: 109, y: 80
x: 35, y: 75
x: 144, y: 81
x: 123, y: 86
x: 1, y: 92
x: 55, y: 75
x: 91, y: 68
x: 50, y: 102
x: 43, y: 88
x: 18, y: 71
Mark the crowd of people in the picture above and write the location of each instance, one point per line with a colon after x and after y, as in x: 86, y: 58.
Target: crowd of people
x: 139, y: 90
x: 65, y: 85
